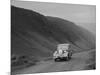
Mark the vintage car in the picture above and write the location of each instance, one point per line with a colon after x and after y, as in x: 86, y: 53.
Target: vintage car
x: 63, y: 53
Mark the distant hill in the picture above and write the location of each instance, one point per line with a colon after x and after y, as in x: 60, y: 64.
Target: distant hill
x: 37, y: 35
x: 73, y: 33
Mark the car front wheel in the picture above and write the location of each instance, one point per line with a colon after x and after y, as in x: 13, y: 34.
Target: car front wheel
x: 57, y: 59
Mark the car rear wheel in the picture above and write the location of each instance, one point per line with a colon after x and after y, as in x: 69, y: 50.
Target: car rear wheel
x: 69, y: 56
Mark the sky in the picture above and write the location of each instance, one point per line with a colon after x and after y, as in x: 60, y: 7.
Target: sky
x: 79, y: 14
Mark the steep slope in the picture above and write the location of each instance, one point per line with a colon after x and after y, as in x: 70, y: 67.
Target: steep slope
x: 24, y: 25
x: 76, y: 35
x: 36, y: 35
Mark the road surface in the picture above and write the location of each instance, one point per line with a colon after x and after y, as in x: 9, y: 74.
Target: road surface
x: 78, y: 62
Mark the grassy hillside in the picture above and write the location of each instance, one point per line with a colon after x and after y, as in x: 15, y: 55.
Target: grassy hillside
x: 33, y: 34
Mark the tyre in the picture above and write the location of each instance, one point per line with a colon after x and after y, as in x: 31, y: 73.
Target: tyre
x: 57, y: 59
x: 69, y: 55
x: 65, y: 58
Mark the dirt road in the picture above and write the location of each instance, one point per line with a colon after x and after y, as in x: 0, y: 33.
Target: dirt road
x: 78, y: 62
